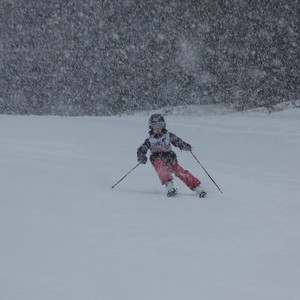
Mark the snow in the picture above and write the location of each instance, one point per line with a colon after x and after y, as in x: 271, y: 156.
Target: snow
x: 66, y: 234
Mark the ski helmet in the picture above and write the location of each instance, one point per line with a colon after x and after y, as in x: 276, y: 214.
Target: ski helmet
x: 157, y: 121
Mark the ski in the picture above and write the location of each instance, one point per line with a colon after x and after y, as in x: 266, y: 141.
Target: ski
x: 172, y: 193
x: 202, y: 194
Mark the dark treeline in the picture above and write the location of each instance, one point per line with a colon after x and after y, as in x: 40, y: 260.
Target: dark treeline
x: 89, y: 57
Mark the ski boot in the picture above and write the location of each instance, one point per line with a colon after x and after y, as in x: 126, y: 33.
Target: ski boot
x: 199, y: 190
x: 171, y: 191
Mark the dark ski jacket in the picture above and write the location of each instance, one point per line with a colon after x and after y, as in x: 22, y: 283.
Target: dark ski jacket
x: 160, y: 143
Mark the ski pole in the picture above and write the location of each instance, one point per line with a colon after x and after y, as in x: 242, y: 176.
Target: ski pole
x: 126, y: 174
x: 206, y: 172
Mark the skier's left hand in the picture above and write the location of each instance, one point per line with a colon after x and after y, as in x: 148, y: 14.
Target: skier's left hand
x: 187, y: 147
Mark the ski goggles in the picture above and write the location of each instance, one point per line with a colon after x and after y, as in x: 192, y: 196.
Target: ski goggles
x: 158, y: 125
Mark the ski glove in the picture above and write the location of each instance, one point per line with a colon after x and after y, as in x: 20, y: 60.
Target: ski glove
x: 186, y: 147
x: 142, y: 159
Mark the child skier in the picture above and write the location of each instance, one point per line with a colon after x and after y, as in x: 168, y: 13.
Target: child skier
x: 163, y: 159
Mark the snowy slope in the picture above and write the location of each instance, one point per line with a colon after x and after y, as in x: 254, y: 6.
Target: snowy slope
x: 66, y: 234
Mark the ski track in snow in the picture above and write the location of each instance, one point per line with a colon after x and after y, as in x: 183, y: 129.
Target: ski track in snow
x: 66, y: 234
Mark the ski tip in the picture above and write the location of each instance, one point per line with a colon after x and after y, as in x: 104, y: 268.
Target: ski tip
x: 202, y: 195
x: 172, y: 193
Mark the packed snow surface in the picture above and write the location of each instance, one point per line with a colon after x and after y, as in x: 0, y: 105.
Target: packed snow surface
x: 67, y: 235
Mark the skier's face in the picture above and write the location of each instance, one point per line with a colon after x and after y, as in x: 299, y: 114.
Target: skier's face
x: 157, y: 130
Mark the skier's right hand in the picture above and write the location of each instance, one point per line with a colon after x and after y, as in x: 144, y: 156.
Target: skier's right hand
x: 142, y: 159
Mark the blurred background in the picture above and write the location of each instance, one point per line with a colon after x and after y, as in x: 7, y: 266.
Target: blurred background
x: 88, y: 57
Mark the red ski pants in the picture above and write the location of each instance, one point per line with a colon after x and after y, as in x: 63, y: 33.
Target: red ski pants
x: 165, y: 165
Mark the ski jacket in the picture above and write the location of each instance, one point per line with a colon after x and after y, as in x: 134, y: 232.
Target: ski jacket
x: 161, y: 143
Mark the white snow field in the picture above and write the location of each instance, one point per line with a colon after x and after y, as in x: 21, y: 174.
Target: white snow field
x: 67, y: 235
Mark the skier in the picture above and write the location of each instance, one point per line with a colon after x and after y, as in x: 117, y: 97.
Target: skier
x: 163, y: 159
